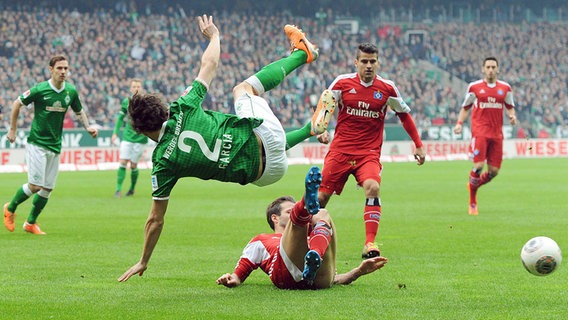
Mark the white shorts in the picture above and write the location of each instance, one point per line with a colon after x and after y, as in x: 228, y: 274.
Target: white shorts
x: 131, y: 151
x: 43, y: 166
x: 271, y: 134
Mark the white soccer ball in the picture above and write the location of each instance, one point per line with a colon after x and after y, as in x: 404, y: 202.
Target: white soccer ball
x: 541, y: 256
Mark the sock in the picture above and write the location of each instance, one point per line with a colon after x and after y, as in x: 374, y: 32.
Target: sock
x: 272, y: 75
x: 485, y: 178
x: 296, y: 136
x: 120, y: 177
x: 21, y: 195
x: 39, y: 203
x: 474, y: 183
x: 299, y: 215
x: 319, y: 237
x: 372, y: 218
x: 133, y: 178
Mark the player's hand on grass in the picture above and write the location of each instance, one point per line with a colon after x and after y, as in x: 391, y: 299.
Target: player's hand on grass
x: 371, y: 265
x: 229, y: 280
x: 138, y: 268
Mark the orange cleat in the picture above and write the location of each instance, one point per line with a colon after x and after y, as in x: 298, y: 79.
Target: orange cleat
x: 370, y: 250
x: 299, y: 41
x: 472, y: 210
x: 324, y: 112
x: 32, y: 228
x: 9, y: 218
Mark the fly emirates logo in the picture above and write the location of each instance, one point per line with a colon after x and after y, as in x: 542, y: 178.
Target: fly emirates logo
x: 490, y: 104
x: 362, y: 110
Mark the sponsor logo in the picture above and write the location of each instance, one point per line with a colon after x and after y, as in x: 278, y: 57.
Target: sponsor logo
x: 154, y: 183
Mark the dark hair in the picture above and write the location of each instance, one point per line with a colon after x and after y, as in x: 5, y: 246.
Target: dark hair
x: 367, y: 47
x: 275, y: 207
x: 490, y: 59
x: 56, y: 59
x: 147, y: 112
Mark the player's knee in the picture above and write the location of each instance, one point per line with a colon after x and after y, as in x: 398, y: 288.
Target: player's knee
x: 34, y: 188
x: 241, y: 89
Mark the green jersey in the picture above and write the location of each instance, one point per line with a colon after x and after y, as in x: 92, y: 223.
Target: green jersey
x: 203, y: 144
x: 50, y: 106
x: 129, y: 134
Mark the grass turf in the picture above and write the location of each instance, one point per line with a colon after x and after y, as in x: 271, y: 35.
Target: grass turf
x: 443, y: 263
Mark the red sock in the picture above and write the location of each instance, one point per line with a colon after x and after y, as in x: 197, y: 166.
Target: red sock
x: 319, y: 237
x: 485, y: 178
x: 372, y: 218
x: 474, y: 183
x: 299, y: 215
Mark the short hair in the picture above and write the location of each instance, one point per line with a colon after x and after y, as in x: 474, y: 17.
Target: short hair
x: 367, y: 47
x: 56, y: 59
x: 147, y: 112
x: 490, y: 59
x: 275, y: 207
x: 136, y: 80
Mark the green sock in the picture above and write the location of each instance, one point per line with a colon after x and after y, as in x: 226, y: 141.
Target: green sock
x: 299, y: 135
x: 272, y: 75
x: 120, y: 177
x: 39, y: 203
x: 133, y: 178
x: 18, y: 198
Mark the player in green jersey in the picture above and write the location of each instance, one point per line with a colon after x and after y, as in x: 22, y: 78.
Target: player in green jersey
x: 51, y: 100
x: 249, y: 147
x: 132, y: 144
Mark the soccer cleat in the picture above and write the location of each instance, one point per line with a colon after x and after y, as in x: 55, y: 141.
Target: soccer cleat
x: 9, y: 218
x: 130, y: 193
x: 312, y: 262
x: 472, y: 209
x: 370, y: 250
x: 324, y: 112
x: 299, y: 41
x: 117, y: 194
x: 313, y: 180
x: 32, y: 228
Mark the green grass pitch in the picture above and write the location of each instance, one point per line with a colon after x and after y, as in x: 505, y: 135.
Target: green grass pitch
x: 443, y: 263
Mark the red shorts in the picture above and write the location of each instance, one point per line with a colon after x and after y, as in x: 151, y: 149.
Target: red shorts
x: 487, y: 149
x: 338, y: 166
x: 281, y: 276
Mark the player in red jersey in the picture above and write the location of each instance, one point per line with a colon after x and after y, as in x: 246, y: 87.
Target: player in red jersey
x: 487, y: 98
x: 363, y: 98
x: 304, y: 237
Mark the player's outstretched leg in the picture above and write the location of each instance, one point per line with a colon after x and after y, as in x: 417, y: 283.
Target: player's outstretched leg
x: 312, y: 262
x: 299, y: 41
x: 313, y: 180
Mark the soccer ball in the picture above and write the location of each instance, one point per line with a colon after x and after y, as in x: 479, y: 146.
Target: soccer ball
x: 541, y: 256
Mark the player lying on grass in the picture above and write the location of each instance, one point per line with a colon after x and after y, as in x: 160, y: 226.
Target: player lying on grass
x: 300, y: 254
x: 249, y: 147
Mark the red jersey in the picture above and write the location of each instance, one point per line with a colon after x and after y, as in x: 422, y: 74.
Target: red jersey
x: 263, y: 252
x: 488, y: 101
x: 362, y: 110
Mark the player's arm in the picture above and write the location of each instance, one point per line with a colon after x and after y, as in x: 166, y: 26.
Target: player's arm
x: 119, y: 123
x: 152, y: 231
x: 211, y: 55
x: 470, y: 97
x: 84, y: 119
x: 16, y: 106
x: 410, y: 127
x: 367, y: 266
x: 510, y: 108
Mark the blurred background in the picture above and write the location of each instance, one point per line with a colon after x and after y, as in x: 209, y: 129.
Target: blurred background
x: 430, y: 49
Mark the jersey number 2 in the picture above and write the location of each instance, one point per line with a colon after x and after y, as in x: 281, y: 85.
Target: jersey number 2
x: 212, y: 155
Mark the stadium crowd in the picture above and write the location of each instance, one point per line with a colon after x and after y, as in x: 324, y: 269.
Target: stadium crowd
x: 106, y: 47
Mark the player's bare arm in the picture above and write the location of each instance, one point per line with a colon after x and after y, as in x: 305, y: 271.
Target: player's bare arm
x: 152, y: 231
x: 367, y: 266
x: 461, y: 118
x: 16, y: 106
x: 82, y: 115
x: 212, y: 54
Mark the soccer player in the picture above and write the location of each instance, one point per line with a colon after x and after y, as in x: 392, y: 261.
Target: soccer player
x: 364, y: 99
x: 487, y: 98
x: 132, y: 144
x: 248, y: 147
x: 300, y: 254
x: 51, y: 100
